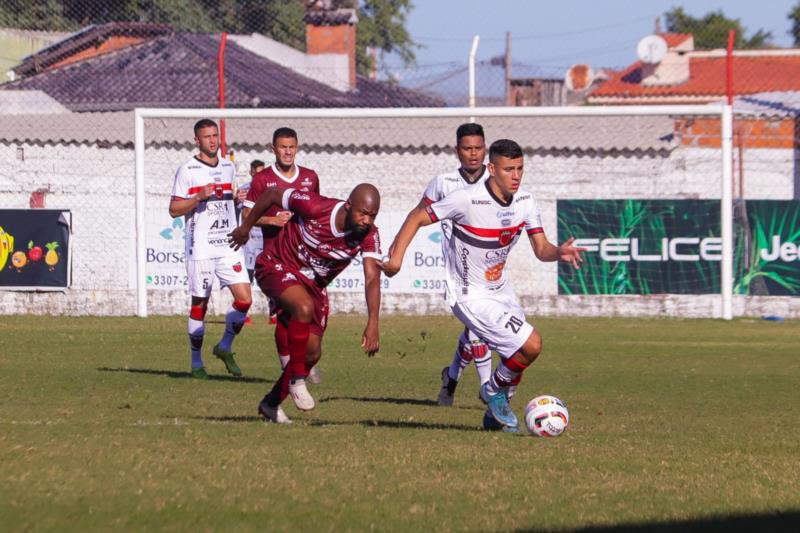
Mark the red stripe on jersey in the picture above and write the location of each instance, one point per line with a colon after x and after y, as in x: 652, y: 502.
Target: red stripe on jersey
x: 427, y: 200
x: 535, y: 230
x: 490, y: 233
x: 225, y: 187
x: 431, y: 214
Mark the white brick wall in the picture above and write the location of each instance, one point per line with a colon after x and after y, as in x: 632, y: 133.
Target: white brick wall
x: 97, y: 185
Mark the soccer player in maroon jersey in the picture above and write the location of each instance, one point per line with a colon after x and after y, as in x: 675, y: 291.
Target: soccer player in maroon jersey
x: 285, y: 173
x: 294, y: 269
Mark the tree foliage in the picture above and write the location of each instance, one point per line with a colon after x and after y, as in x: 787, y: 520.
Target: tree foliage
x: 381, y: 22
x: 794, y: 17
x: 711, y: 30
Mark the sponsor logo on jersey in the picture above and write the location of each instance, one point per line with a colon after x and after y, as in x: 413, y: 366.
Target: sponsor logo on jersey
x: 300, y: 196
x: 289, y: 277
x: 495, y: 272
x: 505, y: 222
x: 481, y: 202
x: 449, y: 178
x: 506, y: 213
x: 525, y: 196
x: 324, y: 248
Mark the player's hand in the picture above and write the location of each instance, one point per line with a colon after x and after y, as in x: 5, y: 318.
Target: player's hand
x: 238, y: 237
x: 205, y: 193
x: 281, y: 218
x: 570, y: 254
x: 390, y: 267
x: 241, y: 195
x: 370, y: 340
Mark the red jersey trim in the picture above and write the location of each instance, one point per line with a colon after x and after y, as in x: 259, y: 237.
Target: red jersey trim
x: 490, y: 233
x: 535, y: 230
x: 431, y: 214
x: 225, y: 187
x: 427, y: 200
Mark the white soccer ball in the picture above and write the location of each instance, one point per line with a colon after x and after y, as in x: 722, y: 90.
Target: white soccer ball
x: 546, y: 416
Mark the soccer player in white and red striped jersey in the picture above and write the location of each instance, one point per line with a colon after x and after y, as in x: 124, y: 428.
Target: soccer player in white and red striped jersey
x: 203, y: 194
x: 294, y: 269
x: 284, y: 173
x: 488, y: 219
x: 471, y: 153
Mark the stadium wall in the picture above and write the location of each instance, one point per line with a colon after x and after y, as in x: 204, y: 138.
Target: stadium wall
x: 95, y: 181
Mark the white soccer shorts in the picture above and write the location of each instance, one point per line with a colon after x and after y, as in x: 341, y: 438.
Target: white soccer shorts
x: 499, y: 321
x: 228, y: 270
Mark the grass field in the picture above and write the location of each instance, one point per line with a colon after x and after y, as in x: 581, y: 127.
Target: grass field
x: 675, y: 424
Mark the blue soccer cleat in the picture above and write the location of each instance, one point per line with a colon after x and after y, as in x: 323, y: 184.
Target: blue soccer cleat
x: 490, y: 424
x: 498, y: 406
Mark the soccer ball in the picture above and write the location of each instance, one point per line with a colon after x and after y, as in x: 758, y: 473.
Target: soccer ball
x: 546, y: 416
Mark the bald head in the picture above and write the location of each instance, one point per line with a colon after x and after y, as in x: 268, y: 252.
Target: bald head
x: 362, y: 206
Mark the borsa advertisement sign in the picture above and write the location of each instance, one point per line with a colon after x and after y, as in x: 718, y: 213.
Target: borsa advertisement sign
x: 674, y: 246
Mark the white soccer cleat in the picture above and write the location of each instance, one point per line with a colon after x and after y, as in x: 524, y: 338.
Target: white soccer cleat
x: 314, y: 376
x: 273, y: 414
x: 300, y: 395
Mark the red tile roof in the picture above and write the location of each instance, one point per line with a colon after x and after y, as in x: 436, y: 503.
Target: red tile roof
x: 751, y: 74
x: 674, y: 39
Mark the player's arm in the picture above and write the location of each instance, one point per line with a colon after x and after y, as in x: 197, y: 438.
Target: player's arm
x: 268, y: 198
x: 279, y: 220
x: 370, y: 340
x: 179, y: 207
x: 416, y: 219
x: 547, y: 251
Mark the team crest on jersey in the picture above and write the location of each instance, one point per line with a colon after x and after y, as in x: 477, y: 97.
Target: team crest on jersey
x: 324, y: 248
x: 505, y: 237
x: 237, y: 267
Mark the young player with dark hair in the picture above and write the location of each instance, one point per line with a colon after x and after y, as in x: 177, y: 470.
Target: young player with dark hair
x: 203, y: 194
x: 471, y: 152
x: 488, y: 219
x: 295, y: 268
x: 284, y: 173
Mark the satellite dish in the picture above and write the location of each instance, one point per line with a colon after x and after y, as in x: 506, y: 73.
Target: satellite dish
x: 652, y: 49
x: 579, y: 77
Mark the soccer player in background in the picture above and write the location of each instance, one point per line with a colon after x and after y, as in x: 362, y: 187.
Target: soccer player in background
x: 471, y: 152
x: 203, y: 194
x: 295, y: 268
x: 283, y: 174
x: 487, y: 220
x: 255, y: 244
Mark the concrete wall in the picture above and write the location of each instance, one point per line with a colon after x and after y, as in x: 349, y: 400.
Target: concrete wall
x: 97, y: 184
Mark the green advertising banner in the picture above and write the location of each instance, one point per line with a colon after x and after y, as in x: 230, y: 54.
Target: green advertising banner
x: 673, y: 247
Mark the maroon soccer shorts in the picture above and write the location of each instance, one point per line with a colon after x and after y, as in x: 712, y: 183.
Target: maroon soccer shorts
x: 273, y: 278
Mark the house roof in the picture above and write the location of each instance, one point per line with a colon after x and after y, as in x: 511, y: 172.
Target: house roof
x: 752, y: 74
x: 579, y: 136
x: 87, y: 37
x: 785, y: 104
x: 180, y: 70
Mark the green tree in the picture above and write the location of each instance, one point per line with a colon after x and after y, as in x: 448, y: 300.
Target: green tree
x: 794, y: 17
x: 711, y: 30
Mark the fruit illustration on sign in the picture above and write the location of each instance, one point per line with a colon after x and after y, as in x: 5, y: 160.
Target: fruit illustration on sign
x: 6, y: 247
x: 18, y: 259
x: 51, y: 257
x: 34, y: 252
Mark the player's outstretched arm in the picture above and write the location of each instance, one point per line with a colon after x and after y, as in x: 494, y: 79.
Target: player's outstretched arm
x: 370, y: 340
x: 239, y: 236
x: 416, y: 219
x: 278, y: 220
x: 547, y: 251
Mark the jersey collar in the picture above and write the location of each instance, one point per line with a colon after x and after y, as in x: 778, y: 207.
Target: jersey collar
x: 479, y: 178
x: 495, y: 198
x: 277, y: 172
x: 206, y: 164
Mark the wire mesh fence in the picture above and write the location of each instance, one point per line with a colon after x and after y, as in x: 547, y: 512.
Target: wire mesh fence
x: 78, y: 69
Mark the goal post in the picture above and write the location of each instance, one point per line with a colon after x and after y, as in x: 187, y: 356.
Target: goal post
x: 722, y: 113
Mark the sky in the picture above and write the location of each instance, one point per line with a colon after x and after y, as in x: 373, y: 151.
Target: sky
x: 554, y: 34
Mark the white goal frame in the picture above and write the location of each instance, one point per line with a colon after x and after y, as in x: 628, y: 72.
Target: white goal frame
x: 724, y: 112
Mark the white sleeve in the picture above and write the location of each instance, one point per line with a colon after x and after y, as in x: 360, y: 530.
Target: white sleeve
x: 450, y: 207
x: 433, y: 192
x: 533, y: 220
x: 180, y: 188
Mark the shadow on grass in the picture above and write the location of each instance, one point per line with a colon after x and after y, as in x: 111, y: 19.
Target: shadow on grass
x: 183, y: 375
x: 394, y: 424
x: 396, y: 401
x: 240, y: 418
x: 773, y: 522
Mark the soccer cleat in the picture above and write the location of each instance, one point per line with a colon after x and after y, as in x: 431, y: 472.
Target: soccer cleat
x: 200, y: 373
x: 227, y: 357
x: 273, y: 414
x: 448, y: 390
x: 498, y: 406
x: 300, y: 396
x: 314, y: 376
x: 490, y: 424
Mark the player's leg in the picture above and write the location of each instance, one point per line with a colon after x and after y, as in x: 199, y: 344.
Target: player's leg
x: 281, y: 332
x: 251, y: 274
x: 200, y: 277
x: 231, y: 274
x: 470, y: 347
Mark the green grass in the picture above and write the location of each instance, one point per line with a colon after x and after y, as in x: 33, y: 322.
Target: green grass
x: 680, y: 422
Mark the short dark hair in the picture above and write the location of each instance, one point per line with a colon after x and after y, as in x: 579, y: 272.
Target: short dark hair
x: 287, y: 133
x: 255, y: 163
x: 203, y: 123
x: 470, y: 128
x: 505, y: 148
